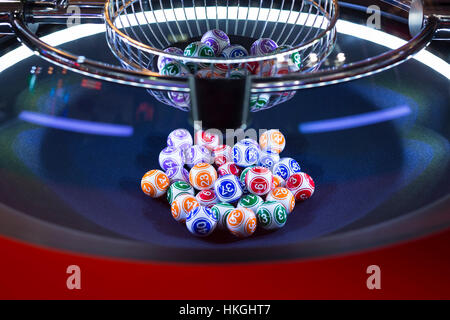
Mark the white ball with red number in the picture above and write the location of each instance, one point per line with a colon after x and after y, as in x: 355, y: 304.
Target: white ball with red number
x: 283, y: 196
x: 229, y: 168
x: 241, y: 222
x: 301, y: 185
x: 222, y: 154
x: 206, y: 139
x: 258, y: 180
x: 207, y: 198
x: 197, y: 154
x: 202, y: 176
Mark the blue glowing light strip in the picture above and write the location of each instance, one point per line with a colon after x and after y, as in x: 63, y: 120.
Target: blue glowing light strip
x: 74, y: 125
x: 355, y: 121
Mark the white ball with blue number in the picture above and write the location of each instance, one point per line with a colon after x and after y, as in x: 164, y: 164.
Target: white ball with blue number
x: 201, y: 221
x: 268, y: 158
x: 245, y: 154
x: 286, y: 167
x: 228, y: 188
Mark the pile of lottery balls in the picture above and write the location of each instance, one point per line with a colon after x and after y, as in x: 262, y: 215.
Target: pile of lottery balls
x: 236, y: 188
x: 216, y: 43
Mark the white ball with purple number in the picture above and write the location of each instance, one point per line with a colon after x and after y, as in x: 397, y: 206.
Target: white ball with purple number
x: 286, y: 167
x: 170, y: 157
x: 228, y: 188
x: 180, y: 138
x: 245, y: 154
x: 197, y: 154
x: 201, y: 221
x: 162, y: 61
x: 217, y: 40
x: 263, y: 46
x: 268, y: 158
x: 177, y: 173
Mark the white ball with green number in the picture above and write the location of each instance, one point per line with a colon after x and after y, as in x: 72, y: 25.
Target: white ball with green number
x: 200, y: 50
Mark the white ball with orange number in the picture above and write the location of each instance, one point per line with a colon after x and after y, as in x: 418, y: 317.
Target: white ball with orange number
x: 272, y: 140
x: 202, y: 176
x: 283, y: 196
x: 155, y: 183
x: 182, y: 205
x: 206, y: 139
x: 278, y: 181
x: 222, y: 154
x: 241, y: 222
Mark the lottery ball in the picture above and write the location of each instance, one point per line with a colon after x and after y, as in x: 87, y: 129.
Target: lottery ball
x: 206, y: 139
x: 180, y: 138
x: 272, y: 140
x: 250, y: 201
x: 182, y: 205
x: 202, y: 176
x: 259, y: 181
x: 233, y: 51
x: 155, y: 183
x: 217, y: 40
x: 195, y: 155
x: 222, y: 154
x: 293, y: 60
x: 278, y: 181
x: 259, y: 102
x: 170, y: 157
x: 200, y: 50
x: 286, y: 167
x: 177, y: 188
x: 238, y: 73
x: 301, y: 185
x: 271, y: 215
x: 242, y: 178
x: 245, y: 155
x: 229, y: 168
x: 283, y: 196
x: 175, y: 69
x: 221, y: 211
x: 177, y: 173
x: 228, y: 188
x: 162, y: 61
x: 249, y: 141
x: 208, y: 74
x: 268, y: 158
x: 200, y: 221
x: 263, y: 46
x: 241, y: 222
x: 207, y: 198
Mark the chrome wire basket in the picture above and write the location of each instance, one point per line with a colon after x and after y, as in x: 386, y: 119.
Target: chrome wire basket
x: 138, y: 31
